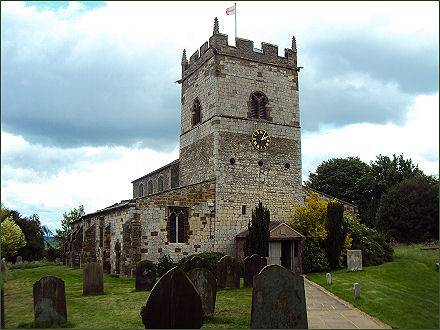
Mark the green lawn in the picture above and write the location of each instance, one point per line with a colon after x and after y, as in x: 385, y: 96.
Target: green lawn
x: 403, y: 293
x: 119, y: 307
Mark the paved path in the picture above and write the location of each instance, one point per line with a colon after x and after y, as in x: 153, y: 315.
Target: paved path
x: 326, y: 311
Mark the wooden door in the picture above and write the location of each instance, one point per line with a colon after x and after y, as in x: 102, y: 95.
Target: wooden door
x: 274, y: 253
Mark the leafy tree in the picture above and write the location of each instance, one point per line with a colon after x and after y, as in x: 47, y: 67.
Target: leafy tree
x: 384, y: 173
x: 33, y: 231
x: 257, y: 242
x: 409, y: 211
x: 61, y: 235
x: 340, y: 178
x: 335, y: 233
x: 12, y: 238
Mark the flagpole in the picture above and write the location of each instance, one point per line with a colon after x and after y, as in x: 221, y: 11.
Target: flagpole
x: 235, y: 15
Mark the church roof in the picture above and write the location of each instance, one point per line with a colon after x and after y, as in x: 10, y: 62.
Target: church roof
x: 158, y: 170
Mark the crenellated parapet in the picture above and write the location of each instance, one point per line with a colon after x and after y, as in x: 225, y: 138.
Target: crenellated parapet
x: 243, y: 49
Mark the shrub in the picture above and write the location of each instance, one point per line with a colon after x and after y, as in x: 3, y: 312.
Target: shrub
x: 12, y: 238
x: 211, y: 257
x: 409, y: 211
x: 310, y: 220
x: 164, y: 264
x: 375, y: 248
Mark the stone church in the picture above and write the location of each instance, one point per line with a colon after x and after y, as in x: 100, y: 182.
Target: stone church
x: 240, y: 143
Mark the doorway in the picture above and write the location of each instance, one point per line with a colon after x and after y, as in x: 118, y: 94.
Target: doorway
x: 286, y: 254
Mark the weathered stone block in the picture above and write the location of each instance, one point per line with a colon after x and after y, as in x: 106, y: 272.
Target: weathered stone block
x: 278, y: 300
x: 173, y: 303
x: 205, y: 284
x: 354, y: 260
x: 93, y: 278
x: 252, y: 266
x: 49, y: 302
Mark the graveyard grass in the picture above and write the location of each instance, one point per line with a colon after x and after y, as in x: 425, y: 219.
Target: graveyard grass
x: 403, y: 293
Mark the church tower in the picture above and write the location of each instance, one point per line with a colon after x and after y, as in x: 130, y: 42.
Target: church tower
x: 240, y: 126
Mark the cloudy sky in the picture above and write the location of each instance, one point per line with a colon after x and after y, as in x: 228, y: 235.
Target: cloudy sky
x: 89, y: 100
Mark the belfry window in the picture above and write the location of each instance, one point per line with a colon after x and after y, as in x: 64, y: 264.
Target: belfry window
x: 141, y: 190
x: 150, y: 187
x: 196, y: 113
x: 177, y: 221
x: 258, y: 105
x: 160, y: 183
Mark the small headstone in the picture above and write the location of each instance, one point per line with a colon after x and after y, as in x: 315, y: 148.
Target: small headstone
x: 145, y: 275
x: 278, y: 300
x: 49, y: 302
x: 357, y: 290
x: 3, y: 265
x: 328, y: 278
x: 252, y: 266
x: 205, y: 284
x: 195, y: 262
x: 93, y: 278
x: 57, y: 260
x: 44, y: 259
x: 18, y: 260
x: 354, y: 260
x: 228, y: 273
x: 173, y: 303
x: 436, y: 266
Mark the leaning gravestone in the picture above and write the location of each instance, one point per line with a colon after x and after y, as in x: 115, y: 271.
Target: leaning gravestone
x: 145, y: 275
x: 228, y: 273
x: 354, y: 260
x: 195, y: 262
x: 205, y: 284
x: 18, y: 260
x: 173, y: 303
x: 49, y: 302
x: 278, y: 300
x: 252, y: 266
x: 93, y: 279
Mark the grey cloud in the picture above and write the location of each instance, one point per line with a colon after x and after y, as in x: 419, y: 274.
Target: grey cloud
x: 391, y: 72
x: 101, y: 97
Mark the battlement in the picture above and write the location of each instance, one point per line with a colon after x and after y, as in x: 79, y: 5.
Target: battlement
x: 243, y: 49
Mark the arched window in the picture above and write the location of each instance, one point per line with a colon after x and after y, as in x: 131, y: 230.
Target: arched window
x: 177, y: 224
x: 258, y: 104
x: 150, y: 187
x: 160, y: 183
x: 141, y: 190
x: 196, y: 113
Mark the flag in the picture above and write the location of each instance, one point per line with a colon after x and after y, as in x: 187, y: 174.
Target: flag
x: 230, y: 10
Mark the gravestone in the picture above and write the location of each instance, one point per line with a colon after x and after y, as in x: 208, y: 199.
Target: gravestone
x: 278, y: 300
x: 57, y: 260
x: 93, y: 278
x: 173, y: 303
x: 357, y: 290
x: 354, y: 260
x: 145, y: 275
x: 252, y: 266
x: 18, y: 260
x: 205, y: 284
x: 228, y: 273
x: 49, y: 302
x: 195, y: 262
x: 328, y: 278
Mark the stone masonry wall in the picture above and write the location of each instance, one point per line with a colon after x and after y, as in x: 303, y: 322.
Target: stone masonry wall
x: 169, y: 174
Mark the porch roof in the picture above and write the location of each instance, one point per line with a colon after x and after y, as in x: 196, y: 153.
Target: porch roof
x: 278, y: 230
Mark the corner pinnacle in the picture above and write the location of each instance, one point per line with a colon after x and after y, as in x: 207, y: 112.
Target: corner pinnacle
x: 216, y: 28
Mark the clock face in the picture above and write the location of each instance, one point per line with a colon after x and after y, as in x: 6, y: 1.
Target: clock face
x: 260, y: 139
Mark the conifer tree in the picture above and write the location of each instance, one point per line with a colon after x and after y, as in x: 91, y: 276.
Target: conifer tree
x: 257, y: 242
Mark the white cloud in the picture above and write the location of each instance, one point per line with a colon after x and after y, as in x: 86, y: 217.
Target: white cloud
x: 417, y: 139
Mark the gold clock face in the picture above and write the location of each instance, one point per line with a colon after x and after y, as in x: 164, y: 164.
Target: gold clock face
x: 260, y: 139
